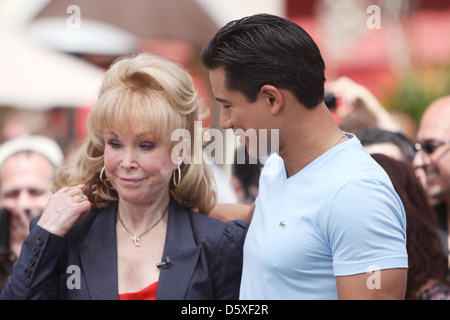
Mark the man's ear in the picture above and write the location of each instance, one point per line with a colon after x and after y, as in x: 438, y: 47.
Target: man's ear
x: 273, y: 97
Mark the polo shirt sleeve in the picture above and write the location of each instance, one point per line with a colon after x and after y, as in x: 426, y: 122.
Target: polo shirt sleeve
x: 366, y: 228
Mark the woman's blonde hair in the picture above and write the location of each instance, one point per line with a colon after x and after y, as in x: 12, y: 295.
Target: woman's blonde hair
x: 143, y: 93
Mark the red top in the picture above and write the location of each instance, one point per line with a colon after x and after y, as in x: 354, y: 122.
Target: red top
x: 148, y: 293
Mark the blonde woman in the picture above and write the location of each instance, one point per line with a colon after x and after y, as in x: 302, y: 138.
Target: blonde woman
x: 122, y: 224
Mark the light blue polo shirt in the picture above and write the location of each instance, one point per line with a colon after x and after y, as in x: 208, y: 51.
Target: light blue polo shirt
x: 338, y: 216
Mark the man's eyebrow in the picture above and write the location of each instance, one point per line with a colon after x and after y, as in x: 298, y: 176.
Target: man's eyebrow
x: 222, y: 100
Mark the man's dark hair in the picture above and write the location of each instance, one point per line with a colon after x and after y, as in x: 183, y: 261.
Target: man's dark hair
x: 265, y: 49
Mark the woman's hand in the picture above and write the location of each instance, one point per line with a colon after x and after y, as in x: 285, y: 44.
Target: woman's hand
x: 64, y: 208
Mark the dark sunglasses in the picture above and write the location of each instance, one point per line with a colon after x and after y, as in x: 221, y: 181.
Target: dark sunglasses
x: 429, y: 146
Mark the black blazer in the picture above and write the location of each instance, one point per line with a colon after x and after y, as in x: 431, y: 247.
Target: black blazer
x: 206, y: 255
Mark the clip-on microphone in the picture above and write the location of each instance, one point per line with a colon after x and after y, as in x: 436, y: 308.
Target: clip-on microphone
x: 165, y: 264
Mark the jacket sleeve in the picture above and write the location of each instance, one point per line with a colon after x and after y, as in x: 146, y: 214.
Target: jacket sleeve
x: 228, y: 264
x: 33, y: 275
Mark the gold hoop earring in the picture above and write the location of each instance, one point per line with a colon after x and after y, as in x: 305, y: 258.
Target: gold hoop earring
x: 176, y: 182
x: 102, y: 172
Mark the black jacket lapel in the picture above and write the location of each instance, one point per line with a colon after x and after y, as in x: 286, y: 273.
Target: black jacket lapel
x: 182, y: 250
x: 98, y: 254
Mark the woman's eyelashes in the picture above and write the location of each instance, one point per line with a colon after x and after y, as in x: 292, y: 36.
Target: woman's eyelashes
x: 114, y: 144
x: 144, y: 145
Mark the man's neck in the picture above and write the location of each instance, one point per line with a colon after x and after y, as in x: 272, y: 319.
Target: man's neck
x: 305, y: 140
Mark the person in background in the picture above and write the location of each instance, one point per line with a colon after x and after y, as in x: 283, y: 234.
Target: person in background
x: 123, y: 213
x: 19, y: 122
x: 245, y: 176
x: 268, y: 74
x: 432, y: 162
x: 358, y: 108
x: 393, y: 144
x: 27, y: 169
x: 427, y: 260
x: 224, y: 188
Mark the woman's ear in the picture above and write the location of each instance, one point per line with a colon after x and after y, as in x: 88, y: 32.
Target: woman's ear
x: 273, y: 97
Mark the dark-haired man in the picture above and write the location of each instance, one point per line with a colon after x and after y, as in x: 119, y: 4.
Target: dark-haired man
x: 327, y: 222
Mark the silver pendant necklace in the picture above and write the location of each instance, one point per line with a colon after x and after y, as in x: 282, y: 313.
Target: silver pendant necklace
x: 135, y: 238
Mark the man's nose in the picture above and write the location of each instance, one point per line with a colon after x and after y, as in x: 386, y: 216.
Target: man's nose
x: 25, y: 202
x: 225, y: 119
x: 421, y: 159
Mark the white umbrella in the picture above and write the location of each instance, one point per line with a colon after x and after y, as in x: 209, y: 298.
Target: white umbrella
x: 169, y: 19
x: 92, y: 37
x: 34, y: 77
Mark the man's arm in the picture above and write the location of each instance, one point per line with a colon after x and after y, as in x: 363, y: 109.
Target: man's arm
x: 389, y: 284
x: 228, y: 212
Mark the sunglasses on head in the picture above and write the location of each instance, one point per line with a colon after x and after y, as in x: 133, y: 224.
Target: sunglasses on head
x: 429, y: 146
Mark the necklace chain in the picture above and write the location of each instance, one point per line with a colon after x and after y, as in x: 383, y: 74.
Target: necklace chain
x: 136, y: 237
x: 343, y: 135
x: 283, y: 224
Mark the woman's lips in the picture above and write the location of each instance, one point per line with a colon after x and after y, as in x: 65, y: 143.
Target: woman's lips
x: 130, y: 181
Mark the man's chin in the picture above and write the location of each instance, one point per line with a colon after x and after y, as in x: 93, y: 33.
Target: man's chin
x: 255, y: 155
x: 435, y: 194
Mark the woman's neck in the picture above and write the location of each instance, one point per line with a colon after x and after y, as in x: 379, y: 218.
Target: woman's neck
x: 138, y: 217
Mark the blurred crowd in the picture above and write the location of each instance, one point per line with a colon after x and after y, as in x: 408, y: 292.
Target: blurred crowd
x: 417, y: 161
